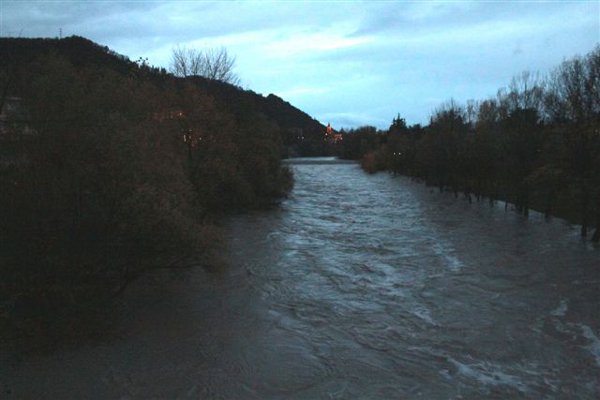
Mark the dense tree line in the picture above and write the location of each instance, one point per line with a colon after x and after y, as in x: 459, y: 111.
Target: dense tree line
x: 111, y: 172
x: 535, y: 145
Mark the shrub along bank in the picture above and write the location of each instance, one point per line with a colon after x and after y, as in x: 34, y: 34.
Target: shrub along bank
x: 111, y: 169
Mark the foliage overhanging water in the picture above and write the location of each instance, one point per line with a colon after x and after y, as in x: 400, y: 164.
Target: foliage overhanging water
x: 356, y: 287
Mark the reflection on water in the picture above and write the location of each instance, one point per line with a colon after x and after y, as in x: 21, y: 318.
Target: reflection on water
x: 357, y: 287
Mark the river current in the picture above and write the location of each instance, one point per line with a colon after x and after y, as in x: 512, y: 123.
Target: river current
x: 356, y: 287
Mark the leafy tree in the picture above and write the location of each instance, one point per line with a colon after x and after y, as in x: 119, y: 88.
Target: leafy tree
x: 360, y: 141
x: 573, y: 103
x: 107, y: 188
x: 536, y: 145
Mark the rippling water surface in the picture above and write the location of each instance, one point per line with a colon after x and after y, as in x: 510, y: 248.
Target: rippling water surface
x: 358, y: 286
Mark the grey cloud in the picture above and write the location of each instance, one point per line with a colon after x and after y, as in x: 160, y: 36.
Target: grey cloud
x: 45, y: 18
x: 414, y: 54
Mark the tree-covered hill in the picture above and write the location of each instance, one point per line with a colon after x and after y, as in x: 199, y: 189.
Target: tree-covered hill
x: 301, y: 134
x: 110, y: 168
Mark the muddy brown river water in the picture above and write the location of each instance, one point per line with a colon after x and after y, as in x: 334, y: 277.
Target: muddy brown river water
x: 357, y: 287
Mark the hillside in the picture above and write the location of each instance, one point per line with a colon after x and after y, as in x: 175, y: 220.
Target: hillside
x: 301, y: 134
x: 110, y: 168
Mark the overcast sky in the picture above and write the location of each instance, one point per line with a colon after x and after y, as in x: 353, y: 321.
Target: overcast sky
x: 350, y: 63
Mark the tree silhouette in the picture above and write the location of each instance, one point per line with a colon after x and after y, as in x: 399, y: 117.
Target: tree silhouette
x: 214, y: 63
x: 535, y: 145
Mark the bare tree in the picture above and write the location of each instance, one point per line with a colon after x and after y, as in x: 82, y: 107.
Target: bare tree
x: 215, y: 63
x: 574, y: 86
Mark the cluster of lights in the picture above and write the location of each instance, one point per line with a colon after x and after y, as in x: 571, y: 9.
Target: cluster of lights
x: 330, y: 136
x: 191, y: 139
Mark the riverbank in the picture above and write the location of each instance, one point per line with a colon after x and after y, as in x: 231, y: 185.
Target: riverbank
x: 392, y: 289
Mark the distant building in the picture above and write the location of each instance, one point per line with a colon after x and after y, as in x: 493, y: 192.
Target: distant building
x: 331, y: 136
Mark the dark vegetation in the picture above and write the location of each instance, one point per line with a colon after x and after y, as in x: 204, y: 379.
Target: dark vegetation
x: 111, y: 168
x: 535, y: 145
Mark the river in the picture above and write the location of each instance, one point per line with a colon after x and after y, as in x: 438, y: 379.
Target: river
x: 356, y: 287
